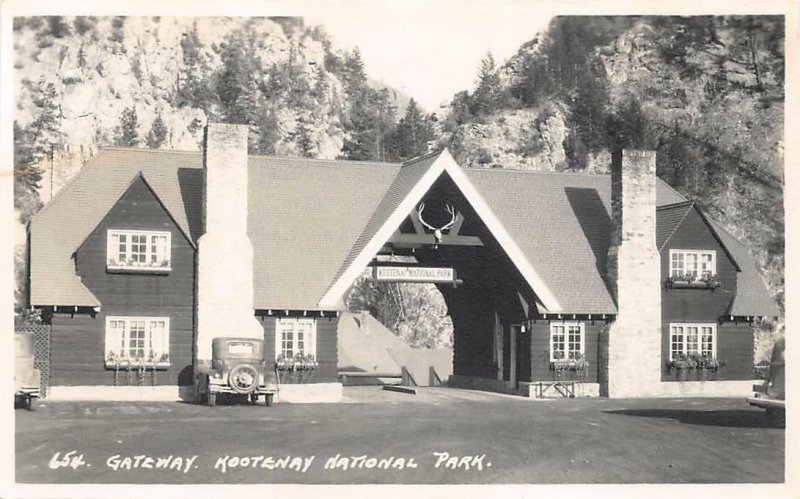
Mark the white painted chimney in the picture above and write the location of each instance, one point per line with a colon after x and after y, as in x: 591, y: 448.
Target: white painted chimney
x: 224, y: 251
x: 633, y: 361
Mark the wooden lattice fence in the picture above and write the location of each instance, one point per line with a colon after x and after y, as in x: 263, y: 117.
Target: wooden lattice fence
x: 41, y: 351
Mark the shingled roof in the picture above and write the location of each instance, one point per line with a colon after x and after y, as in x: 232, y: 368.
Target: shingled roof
x: 669, y: 218
x: 752, y: 296
x: 323, y: 212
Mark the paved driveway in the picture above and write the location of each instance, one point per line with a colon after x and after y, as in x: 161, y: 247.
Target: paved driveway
x: 437, y: 436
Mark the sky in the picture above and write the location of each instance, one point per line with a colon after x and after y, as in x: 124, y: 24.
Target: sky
x: 430, y: 50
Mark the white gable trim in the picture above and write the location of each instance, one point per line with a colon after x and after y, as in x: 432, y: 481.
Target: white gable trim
x: 444, y: 163
x: 359, y: 264
x: 543, y: 293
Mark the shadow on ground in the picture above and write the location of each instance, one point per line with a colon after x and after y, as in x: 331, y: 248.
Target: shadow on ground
x: 731, y: 417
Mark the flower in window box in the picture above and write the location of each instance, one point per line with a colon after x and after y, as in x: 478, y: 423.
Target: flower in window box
x: 113, y: 358
x: 681, y: 362
x: 576, y: 364
x: 297, y: 369
x: 710, y: 281
x: 680, y: 280
x: 710, y: 363
x: 305, y: 362
x: 285, y: 363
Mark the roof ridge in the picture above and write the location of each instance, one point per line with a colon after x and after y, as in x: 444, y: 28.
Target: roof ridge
x: 324, y: 160
x: 424, y: 157
x: 147, y: 150
x: 535, y: 172
x: 673, y: 205
x: 264, y: 156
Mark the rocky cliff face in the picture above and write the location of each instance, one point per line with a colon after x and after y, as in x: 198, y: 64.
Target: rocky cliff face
x: 705, y: 92
x: 99, y: 67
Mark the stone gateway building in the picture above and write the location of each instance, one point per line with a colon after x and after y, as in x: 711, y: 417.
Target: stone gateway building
x: 617, y: 282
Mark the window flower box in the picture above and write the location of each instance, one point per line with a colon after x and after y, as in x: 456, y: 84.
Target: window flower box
x: 133, y: 266
x: 296, y: 370
x: 704, y: 366
x: 570, y: 369
x: 118, y: 362
x: 692, y: 281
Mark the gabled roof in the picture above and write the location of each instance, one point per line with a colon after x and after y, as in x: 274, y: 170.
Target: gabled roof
x: 561, y: 221
x: 752, y: 296
x: 412, y: 182
x: 305, y: 217
x: 670, y: 217
x: 315, y: 224
x: 66, y: 221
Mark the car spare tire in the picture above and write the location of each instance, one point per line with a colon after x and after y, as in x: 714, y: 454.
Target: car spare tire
x: 243, y: 378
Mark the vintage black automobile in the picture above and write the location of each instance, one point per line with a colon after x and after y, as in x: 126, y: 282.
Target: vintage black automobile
x: 26, y: 376
x: 238, y: 367
x: 772, y: 394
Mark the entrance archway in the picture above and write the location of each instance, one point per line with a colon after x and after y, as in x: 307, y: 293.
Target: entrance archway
x: 444, y: 240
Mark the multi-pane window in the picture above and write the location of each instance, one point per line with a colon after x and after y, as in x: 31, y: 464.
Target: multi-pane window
x: 131, y: 249
x: 295, y: 336
x: 690, y: 262
x: 566, y: 340
x: 137, y: 340
x: 697, y: 339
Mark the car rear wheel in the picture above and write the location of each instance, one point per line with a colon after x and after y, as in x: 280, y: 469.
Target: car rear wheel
x: 30, y: 403
x: 211, y: 399
x: 243, y: 378
x: 776, y: 417
x: 268, y: 398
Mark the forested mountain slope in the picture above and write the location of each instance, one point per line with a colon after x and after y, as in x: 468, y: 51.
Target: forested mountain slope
x: 707, y: 93
x: 87, y: 82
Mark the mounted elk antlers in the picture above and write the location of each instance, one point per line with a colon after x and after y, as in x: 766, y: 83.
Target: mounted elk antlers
x: 437, y: 231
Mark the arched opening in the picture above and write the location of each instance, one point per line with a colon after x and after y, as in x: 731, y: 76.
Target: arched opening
x: 442, y: 280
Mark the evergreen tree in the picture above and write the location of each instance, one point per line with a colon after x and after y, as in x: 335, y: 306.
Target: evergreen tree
x: 44, y: 133
x: 194, y: 89
x: 354, y: 75
x: 486, y: 98
x: 157, y: 134
x: 413, y: 133
x: 128, y: 128
x: 588, y: 114
x: 231, y: 80
x: 32, y: 148
x: 236, y: 85
x: 370, y: 125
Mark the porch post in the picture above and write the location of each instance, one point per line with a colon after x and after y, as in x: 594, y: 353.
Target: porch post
x: 512, y: 371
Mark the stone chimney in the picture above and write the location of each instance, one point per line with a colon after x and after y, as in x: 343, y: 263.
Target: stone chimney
x: 224, y: 252
x: 632, y: 354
